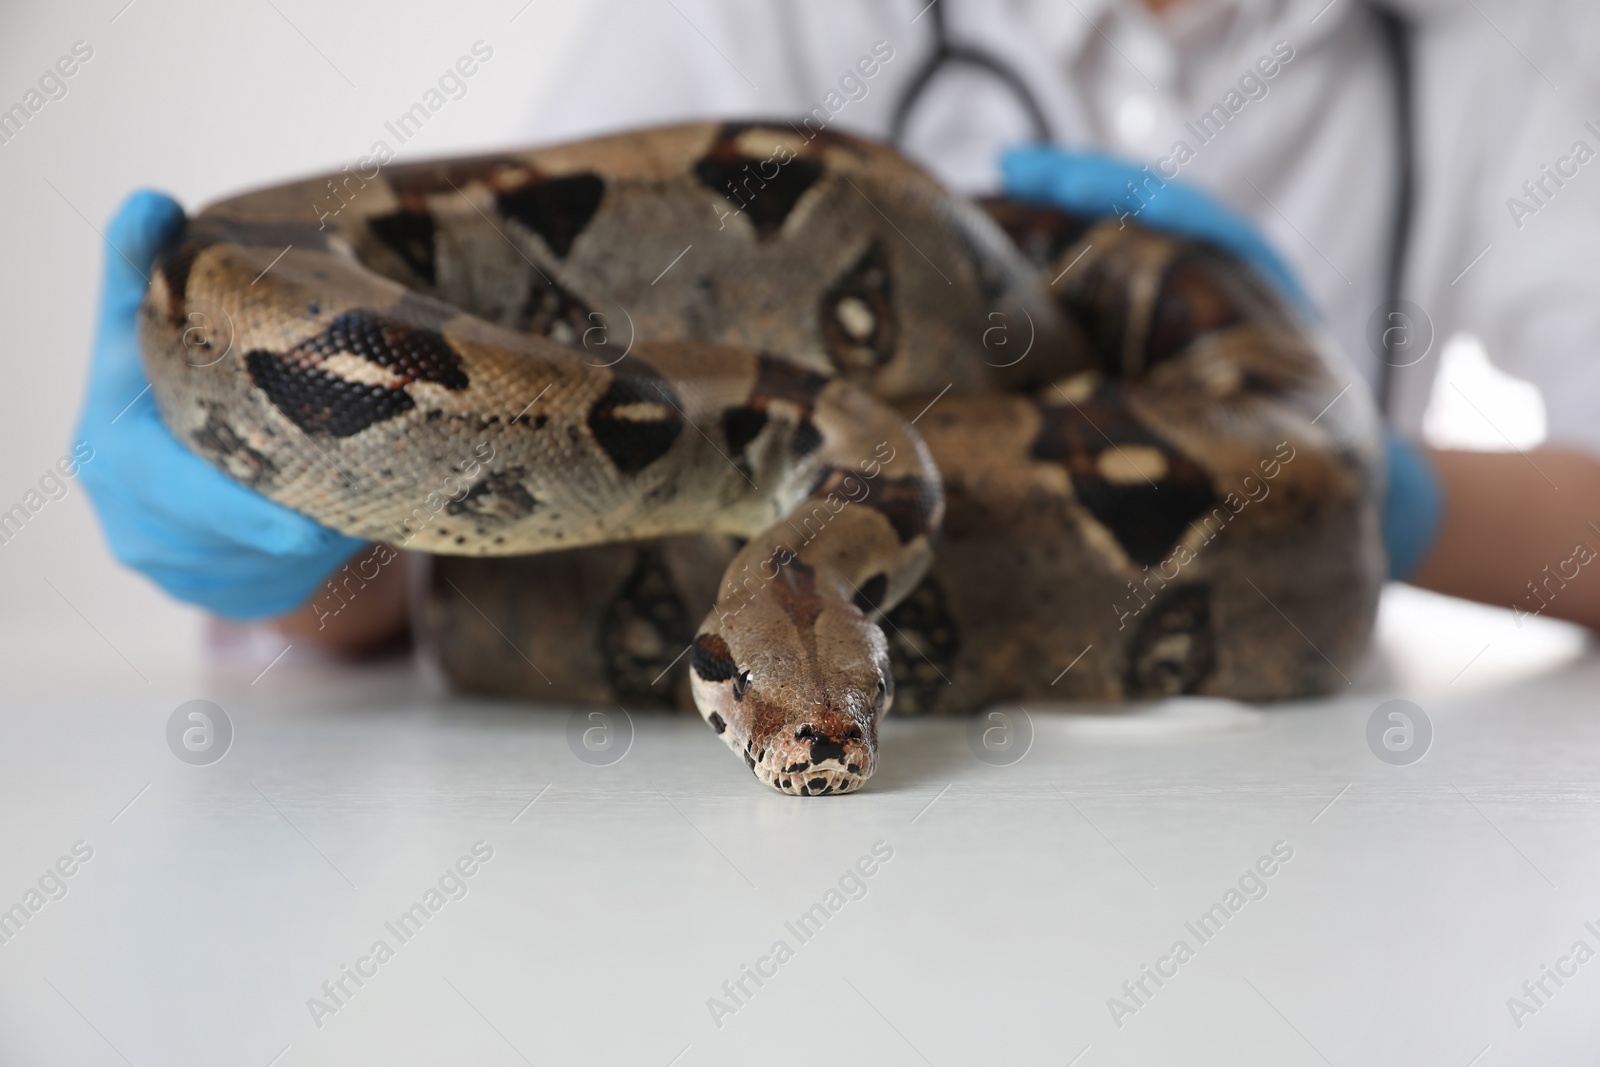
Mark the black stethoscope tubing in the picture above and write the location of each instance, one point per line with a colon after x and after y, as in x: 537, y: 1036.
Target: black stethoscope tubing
x: 945, y: 52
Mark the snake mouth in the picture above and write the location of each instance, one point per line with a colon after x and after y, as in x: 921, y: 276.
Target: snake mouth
x: 809, y: 750
x: 818, y: 782
x: 808, y: 762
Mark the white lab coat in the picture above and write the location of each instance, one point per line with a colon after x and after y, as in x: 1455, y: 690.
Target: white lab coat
x: 1504, y: 89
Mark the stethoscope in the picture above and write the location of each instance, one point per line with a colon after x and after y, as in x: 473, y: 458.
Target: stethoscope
x: 946, y: 51
x: 1394, y: 33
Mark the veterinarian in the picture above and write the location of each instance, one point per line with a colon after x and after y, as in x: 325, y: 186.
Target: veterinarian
x: 1405, y: 172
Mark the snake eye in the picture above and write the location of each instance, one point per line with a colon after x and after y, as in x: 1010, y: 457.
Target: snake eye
x: 741, y: 685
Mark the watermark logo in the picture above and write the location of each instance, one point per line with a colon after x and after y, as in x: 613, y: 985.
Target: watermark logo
x: 600, y: 738
x: 53, y: 485
x: 52, y: 85
x: 207, y: 334
x: 1399, y: 732
x: 452, y: 885
x: 1545, y: 186
x: 451, y: 85
x: 851, y: 886
x: 1400, y: 334
x: 1000, y: 737
x: 1211, y: 525
x: 1252, y: 886
x: 596, y: 339
x: 997, y: 340
x: 854, y: 85
x: 53, y: 885
x: 199, y: 733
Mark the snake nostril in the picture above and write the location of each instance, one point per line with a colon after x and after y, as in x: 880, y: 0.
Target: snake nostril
x: 806, y: 732
x: 853, y: 734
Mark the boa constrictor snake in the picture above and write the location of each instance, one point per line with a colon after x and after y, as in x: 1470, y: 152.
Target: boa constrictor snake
x: 673, y: 373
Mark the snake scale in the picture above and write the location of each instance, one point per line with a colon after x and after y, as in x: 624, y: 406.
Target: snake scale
x: 683, y: 414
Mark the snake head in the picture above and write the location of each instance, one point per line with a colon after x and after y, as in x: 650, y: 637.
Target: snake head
x: 805, y: 719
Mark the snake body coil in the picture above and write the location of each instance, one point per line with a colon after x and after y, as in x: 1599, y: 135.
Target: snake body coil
x: 674, y: 373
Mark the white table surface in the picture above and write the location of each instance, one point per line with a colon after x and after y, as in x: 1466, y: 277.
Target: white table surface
x: 1017, y: 901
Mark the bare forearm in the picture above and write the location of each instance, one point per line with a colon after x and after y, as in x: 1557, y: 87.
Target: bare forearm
x: 1519, y: 531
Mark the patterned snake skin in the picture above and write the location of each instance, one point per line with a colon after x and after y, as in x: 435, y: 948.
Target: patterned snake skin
x: 649, y: 402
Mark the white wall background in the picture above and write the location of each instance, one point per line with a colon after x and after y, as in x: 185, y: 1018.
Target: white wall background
x: 203, y: 99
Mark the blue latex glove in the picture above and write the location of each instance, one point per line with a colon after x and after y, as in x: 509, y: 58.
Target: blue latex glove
x: 1093, y: 184
x: 166, y: 512
x: 1413, y: 506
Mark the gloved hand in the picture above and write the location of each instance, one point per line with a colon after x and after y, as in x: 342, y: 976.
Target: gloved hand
x: 1088, y: 183
x: 166, y: 512
x: 1092, y: 184
x: 1413, y: 506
